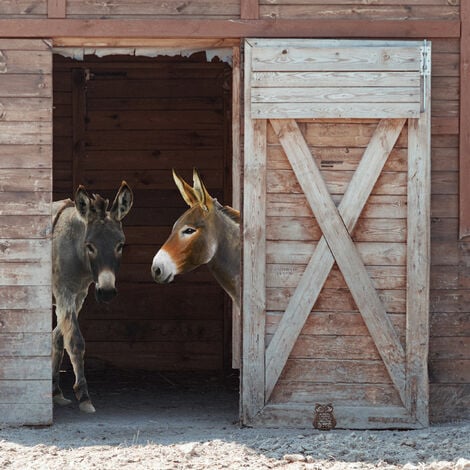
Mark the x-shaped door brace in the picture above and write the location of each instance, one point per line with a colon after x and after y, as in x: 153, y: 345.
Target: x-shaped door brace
x: 336, y: 224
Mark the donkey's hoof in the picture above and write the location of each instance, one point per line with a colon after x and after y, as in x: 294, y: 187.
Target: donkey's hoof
x: 60, y: 400
x: 87, y: 407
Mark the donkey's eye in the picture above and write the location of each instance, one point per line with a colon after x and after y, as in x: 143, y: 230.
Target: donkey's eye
x: 90, y: 248
x: 189, y: 230
x: 120, y: 247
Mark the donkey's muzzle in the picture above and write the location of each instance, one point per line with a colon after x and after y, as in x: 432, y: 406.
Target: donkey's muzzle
x: 105, y: 289
x: 105, y: 295
x: 163, y: 268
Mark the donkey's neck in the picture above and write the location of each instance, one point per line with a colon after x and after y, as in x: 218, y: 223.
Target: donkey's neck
x: 225, y: 264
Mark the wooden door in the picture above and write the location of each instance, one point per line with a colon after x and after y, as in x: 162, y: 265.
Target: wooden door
x: 336, y: 232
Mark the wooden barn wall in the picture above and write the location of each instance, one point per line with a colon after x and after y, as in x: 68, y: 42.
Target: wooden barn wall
x: 25, y: 264
x: 449, y: 349
x: 227, y: 9
x: 134, y: 119
x: 223, y: 9
x: 449, y: 359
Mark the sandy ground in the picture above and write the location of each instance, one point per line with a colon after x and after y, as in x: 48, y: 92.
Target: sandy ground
x: 168, y: 425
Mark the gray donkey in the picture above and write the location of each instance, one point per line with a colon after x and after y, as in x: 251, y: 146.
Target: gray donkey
x: 87, y: 243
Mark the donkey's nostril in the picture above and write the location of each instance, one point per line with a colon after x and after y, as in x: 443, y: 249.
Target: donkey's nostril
x: 158, y: 271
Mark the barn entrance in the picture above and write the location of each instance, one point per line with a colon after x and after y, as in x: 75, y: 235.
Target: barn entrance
x: 122, y: 116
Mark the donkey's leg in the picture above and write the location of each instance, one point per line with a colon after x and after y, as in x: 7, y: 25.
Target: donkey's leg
x: 57, y: 356
x: 75, y: 346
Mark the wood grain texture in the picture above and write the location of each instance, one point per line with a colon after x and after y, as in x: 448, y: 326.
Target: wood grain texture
x: 298, y: 154
x: 25, y: 224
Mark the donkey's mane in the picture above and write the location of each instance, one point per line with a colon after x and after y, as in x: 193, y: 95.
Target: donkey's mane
x: 100, y: 205
x: 230, y: 212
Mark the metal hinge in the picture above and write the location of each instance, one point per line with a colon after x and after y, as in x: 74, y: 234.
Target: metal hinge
x: 425, y: 71
x: 425, y: 60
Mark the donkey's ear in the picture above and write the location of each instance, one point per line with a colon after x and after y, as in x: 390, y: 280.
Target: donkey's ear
x: 187, y: 192
x: 205, y: 199
x: 122, y: 202
x: 82, y: 202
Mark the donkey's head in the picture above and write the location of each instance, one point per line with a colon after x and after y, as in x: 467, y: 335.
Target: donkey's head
x: 104, y: 237
x: 193, y: 240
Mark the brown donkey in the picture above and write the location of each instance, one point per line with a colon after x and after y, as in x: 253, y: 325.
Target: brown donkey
x: 207, y: 233
x: 87, y: 243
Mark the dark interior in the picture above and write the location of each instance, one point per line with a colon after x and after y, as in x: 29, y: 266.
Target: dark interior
x: 135, y: 118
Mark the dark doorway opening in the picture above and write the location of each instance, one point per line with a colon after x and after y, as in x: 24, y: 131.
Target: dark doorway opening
x: 123, y: 117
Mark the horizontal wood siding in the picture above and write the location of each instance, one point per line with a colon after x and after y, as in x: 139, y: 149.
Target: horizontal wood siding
x: 359, y: 10
x: 25, y: 256
x: 449, y: 298
x: 337, y: 80
x: 145, y: 9
x: 143, y: 118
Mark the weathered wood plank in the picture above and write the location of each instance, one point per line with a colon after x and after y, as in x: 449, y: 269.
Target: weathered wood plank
x: 25, y: 344
x: 334, y: 110
x: 202, y: 43
x: 25, y: 368
x: 339, y: 79
x: 144, y: 8
x: 295, y: 252
x: 419, y: 260
x: 331, y: 300
x: 367, y: 230
x: 26, y: 414
x: 18, y: 226
x: 24, y: 85
x: 25, y: 109
x: 347, y: 133
x: 344, y: 394
x: 25, y: 297
x: 26, y: 321
x: 340, y: 58
x: 14, y: 392
x: 254, y: 249
x: 346, y: 158
x: 449, y: 371
x: 24, y: 44
x: 449, y: 402
x: 383, y: 277
x: 226, y: 29
x: 378, y: 206
x: 25, y: 203
x: 24, y: 250
x: 389, y: 183
x: 326, y: 11
x: 336, y: 371
x: 26, y: 132
x: 340, y: 95
x: 25, y: 62
x: 25, y: 179
x: 25, y: 274
x: 333, y: 323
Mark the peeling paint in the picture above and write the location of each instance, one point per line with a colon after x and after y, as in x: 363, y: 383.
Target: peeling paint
x: 78, y: 53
